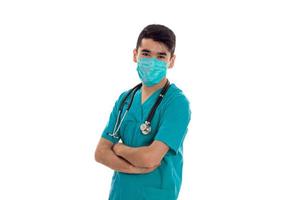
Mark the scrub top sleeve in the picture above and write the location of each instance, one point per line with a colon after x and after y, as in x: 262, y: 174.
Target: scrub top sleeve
x: 174, y: 123
x: 112, y: 120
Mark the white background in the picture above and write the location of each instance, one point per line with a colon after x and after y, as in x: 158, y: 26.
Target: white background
x: 64, y: 63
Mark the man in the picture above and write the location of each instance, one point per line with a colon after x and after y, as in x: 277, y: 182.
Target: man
x: 147, y: 162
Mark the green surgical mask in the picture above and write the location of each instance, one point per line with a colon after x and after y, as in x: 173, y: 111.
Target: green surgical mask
x: 151, y: 70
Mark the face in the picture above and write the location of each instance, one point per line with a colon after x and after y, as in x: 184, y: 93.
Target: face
x: 152, y: 49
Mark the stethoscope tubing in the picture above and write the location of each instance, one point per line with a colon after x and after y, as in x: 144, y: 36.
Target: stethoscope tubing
x: 147, y: 123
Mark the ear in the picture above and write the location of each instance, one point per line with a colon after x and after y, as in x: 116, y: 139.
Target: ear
x: 135, y: 55
x: 172, y: 61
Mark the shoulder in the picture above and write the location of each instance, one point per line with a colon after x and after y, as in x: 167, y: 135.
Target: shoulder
x: 176, y: 103
x: 176, y: 107
x: 176, y: 96
x: 122, y: 95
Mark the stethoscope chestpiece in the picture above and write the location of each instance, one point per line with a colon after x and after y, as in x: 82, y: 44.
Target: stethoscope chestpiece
x: 145, y: 128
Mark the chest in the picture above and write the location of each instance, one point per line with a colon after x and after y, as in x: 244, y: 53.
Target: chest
x: 130, y: 129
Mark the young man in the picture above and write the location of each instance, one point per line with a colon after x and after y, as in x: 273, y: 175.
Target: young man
x: 151, y: 121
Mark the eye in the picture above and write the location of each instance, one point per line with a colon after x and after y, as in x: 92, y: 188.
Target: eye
x: 161, y: 57
x: 145, y: 54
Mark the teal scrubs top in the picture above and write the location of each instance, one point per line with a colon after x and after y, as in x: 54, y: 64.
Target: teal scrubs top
x: 169, y: 125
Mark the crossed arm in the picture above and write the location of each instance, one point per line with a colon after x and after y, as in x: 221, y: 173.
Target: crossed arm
x: 134, y: 160
x: 145, y: 156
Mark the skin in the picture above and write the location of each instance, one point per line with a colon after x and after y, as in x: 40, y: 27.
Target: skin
x: 138, y: 160
x: 106, y: 156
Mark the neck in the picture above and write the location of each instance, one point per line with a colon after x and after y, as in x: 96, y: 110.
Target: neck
x: 153, y: 88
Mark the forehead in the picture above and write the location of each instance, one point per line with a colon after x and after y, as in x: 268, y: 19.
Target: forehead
x: 153, y: 46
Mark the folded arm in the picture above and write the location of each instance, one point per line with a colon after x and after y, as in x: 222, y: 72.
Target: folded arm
x: 106, y: 156
x: 145, y: 156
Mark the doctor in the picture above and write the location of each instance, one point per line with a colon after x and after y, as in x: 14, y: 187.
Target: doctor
x: 143, y: 139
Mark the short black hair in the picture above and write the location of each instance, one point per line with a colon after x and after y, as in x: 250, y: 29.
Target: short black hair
x: 158, y: 33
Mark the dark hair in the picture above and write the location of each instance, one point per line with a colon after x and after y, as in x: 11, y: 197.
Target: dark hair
x: 158, y: 33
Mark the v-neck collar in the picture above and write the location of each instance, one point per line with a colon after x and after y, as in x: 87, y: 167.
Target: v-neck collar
x: 149, y: 98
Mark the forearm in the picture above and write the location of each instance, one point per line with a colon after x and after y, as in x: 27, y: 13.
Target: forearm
x: 136, y: 155
x: 111, y: 160
x: 108, y: 158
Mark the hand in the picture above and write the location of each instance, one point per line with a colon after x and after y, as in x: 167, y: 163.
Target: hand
x: 117, y: 147
x: 141, y: 170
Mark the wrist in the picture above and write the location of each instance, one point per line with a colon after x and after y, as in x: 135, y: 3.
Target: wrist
x: 117, y: 148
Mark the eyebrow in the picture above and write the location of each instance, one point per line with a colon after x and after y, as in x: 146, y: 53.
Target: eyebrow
x: 159, y: 53
x: 146, y: 50
x: 162, y: 53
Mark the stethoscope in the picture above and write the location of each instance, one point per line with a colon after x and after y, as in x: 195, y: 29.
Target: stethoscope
x: 146, y: 126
